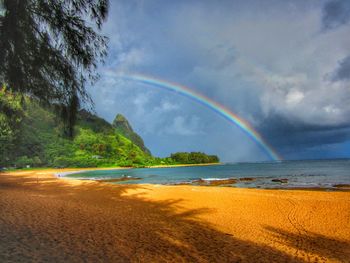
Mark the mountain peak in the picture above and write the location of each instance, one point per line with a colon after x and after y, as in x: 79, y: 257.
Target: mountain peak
x: 122, y: 125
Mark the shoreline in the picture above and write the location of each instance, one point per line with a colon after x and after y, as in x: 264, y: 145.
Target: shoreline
x: 150, y: 223
x: 106, y: 168
x: 62, y: 175
x: 53, y: 173
x: 69, y: 171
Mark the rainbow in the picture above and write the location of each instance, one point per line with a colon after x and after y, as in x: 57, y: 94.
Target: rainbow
x: 216, y: 107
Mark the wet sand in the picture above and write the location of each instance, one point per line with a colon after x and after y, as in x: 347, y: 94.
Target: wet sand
x: 46, y: 219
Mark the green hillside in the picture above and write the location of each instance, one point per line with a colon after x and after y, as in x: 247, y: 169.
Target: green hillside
x: 32, y: 135
x: 38, y: 141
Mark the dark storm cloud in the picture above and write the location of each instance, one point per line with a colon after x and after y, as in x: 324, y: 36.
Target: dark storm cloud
x: 335, y: 14
x: 256, y: 58
x: 287, y: 133
x: 343, y: 70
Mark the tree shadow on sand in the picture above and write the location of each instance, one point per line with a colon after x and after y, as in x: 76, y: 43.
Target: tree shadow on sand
x: 312, y: 243
x: 93, y: 222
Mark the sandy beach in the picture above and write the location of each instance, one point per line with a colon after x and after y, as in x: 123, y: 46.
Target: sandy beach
x: 46, y: 219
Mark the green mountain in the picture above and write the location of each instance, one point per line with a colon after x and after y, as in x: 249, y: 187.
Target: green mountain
x: 39, y: 142
x: 122, y: 126
x: 32, y: 135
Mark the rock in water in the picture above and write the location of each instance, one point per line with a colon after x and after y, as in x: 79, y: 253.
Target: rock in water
x: 247, y: 179
x: 283, y: 181
x: 218, y: 182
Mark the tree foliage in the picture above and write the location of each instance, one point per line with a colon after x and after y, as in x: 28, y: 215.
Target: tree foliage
x: 193, y: 158
x: 11, y: 115
x: 49, y: 50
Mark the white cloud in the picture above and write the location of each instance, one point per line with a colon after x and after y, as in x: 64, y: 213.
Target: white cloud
x: 331, y: 109
x: 294, y: 97
x: 183, y: 126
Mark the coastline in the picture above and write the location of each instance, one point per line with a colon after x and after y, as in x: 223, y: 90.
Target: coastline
x: 68, y: 171
x: 219, y: 182
x: 61, y: 173
x: 183, y: 165
x: 76, y: 169
x: 40, y: 213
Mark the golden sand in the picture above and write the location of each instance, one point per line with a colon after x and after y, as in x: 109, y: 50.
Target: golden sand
x: 45, y: 219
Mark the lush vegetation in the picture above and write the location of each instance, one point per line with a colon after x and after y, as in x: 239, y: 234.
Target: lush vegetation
x: 33, y: 136
x: 38, y: 141
x: 11, y: 115
x: 193, y: 158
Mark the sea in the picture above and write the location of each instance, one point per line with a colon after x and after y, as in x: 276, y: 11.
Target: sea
x: 328, y: 174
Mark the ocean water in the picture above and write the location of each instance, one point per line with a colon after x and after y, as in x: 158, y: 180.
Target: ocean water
x: 299, y: 174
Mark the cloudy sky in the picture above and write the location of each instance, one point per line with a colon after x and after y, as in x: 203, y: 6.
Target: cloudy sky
x: 283, y: 66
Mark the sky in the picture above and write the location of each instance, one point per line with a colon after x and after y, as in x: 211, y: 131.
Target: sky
x: 282, y: 66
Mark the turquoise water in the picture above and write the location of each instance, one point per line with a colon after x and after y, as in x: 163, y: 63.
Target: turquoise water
x: 299, y: 174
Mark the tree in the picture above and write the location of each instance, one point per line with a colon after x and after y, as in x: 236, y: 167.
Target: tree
x: 11, y: 114
x: 193, y: 157
x: 49, y: 50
